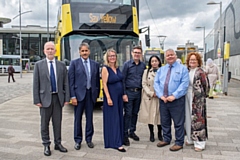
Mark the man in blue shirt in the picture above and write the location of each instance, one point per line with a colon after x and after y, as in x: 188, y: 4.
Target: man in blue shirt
x: 132, y: 83
x: 171, y: 84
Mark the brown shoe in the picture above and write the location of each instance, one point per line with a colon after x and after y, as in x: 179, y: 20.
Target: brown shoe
x: 162, y: 144
x: 175, y: 148
x: 188, y: 144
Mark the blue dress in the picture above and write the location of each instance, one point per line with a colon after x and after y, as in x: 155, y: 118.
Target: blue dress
x: 113, y: 115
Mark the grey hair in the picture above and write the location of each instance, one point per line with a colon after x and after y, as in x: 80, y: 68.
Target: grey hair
x: 48, y: 43
x: 83, y: 44
x: 169, y: 50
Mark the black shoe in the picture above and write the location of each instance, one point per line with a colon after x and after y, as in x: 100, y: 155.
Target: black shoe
x: 47, y: 151
x: 160, y: 138
x: 134, y: 136
x: 121, y: 150
x: 126, y: 141
x: 60, y: 148
x: 152, y: 139
x: 210, y: 97
x: 90, y: 144
x: 77, y: 146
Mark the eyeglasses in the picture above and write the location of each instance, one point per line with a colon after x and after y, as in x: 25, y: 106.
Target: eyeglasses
x: 137, y: 52
x: 192, y: 60
x: 84, y: 50
x: 112, y: 56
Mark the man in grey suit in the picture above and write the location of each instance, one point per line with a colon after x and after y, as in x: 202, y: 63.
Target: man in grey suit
x: 50, y: 94
x: 84, y: 83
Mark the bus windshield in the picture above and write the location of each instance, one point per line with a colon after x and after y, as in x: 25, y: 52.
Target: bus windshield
x: 98, y: 47
x: 150, y: 53
x: 7, y: 60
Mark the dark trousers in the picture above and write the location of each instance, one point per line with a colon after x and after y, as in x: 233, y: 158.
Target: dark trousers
x: 87, y: 105
x: 54, y: 111
x: 10, y: 75
x: 173, y: 111
x: 131, y: 109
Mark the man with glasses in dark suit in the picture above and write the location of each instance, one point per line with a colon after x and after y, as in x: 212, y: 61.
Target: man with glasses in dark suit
x: 132, y: 82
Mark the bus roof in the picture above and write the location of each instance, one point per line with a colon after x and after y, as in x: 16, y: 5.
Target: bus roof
x: 9, y: 56
x: 154, y: 49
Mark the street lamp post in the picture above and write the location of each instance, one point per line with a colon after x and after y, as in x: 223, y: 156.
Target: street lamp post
x: 47, y: 20
x: 161, y: 41
x: 204, y: 47
x: 219, y: 34
x: 20, y: 34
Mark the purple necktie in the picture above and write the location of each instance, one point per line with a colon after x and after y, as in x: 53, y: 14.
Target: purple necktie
x: 165, y: 92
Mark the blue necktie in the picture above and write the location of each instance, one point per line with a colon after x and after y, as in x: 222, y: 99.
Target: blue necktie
x: 165, y: 91
x: 88, y: 76
x: 52, y: 77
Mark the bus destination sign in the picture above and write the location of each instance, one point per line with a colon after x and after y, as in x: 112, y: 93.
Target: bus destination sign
x: 152, y: 52
x: 101, y: 18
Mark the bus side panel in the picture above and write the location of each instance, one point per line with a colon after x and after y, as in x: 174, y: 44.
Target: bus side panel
x: 66, y: 19
x: 135, y: 20
x: 57, y: 46
x: 100, y: 97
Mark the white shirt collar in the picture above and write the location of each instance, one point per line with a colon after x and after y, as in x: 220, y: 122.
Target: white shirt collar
x: 85, y: 60
x: 48, y: 61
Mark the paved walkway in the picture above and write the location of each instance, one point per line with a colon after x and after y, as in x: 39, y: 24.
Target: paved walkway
x: 20, y: 136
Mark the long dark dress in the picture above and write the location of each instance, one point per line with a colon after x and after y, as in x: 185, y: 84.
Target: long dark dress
x: 113, y: 115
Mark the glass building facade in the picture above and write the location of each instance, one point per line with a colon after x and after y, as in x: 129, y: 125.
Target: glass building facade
x: 229, y: 31
x: 33, y: 39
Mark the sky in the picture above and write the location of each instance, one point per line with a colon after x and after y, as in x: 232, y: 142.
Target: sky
x: 175, y: 19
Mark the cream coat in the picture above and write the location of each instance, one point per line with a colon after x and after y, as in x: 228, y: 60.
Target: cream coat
x: 212, y: 73
x: 149, y: 108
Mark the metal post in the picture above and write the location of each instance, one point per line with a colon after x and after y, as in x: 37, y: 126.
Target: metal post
x: 186, y: 51
x: 219, y: 41
x: 161, y: 39
x: 20, y: 36
x: 47, y: 20
x: 149, y: 35
x: 204, y: 47
x: 226, y: 67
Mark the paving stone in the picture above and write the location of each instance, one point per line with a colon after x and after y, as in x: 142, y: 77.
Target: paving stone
x: 20, y: 131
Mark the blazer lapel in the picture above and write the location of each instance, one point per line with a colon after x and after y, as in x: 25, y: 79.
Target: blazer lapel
x: 82, y: 67
x: 91, y: 67
x: 57, y: 70
x: 45, y: 68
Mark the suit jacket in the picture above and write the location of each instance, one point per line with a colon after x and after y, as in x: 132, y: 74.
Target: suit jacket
x: 78, y: 79
x: 42, y: 84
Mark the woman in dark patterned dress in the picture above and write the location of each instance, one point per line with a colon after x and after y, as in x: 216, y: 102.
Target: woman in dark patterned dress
x: 195, y: 109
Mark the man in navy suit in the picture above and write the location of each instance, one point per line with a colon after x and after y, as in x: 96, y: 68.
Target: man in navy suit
x: 84, y: 83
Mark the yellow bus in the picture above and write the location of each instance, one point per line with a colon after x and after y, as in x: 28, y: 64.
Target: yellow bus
x: 103, y: 24
x: 153, y: 51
